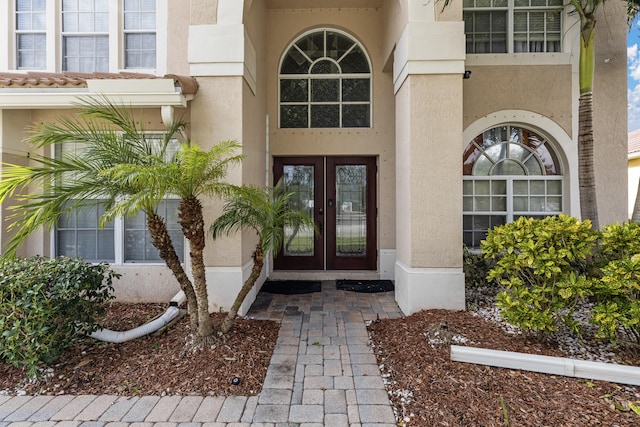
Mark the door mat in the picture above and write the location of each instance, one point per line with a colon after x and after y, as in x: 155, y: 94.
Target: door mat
x: 367, y: 286
x: 291, y: 287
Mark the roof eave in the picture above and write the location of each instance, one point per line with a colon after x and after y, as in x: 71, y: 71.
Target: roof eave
x: 51, y: 99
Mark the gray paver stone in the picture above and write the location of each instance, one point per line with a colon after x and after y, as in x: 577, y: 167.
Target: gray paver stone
x: 232, y: 409
x: 12, y: 405
x: 163, y: 409
x: 280, y: 369
x: 68, y: 423
x: 96, y: 408
x: 47, y: 411
x: 249, y: 409
x: 142, y: 424
x: 209, y: 409
x: 109, y: 424
x: 332, y: 368
x: 362, y: 359
x: 73, y: 408
x: 336, y: 420
x: 19, y: 423
x: 119, y: 408
x: 376, y: 414
x: 343, y: 383
x: 372, y: 397
x: 335, y: 402
x: 271, y: 414
x: 353, y: 413
x: 189, y: 424
x: 214, y: 425
x: 323, y: 382
x: 274, y: 396
x: 368, y: 370
x: 313, y: 397
x: 306, y: 414
x: 165, y: 424
x: 186, y: 409
x: 368, y: 382
x: 43, y: 424
x: 26, y: 410
x: 278, y: 381
x: 141, y: 409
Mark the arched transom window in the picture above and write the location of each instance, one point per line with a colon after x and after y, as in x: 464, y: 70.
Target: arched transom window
x: 509, y: 172
x: 325, y: 82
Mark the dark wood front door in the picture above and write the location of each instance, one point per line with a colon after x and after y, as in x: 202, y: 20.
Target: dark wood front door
x: 340, y: 194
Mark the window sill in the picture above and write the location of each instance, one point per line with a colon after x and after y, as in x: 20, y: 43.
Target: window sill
x: 556, y: 58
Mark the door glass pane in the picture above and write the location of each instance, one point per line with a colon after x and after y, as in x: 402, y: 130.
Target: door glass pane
x: 351, y: 210
x: 298, y: 179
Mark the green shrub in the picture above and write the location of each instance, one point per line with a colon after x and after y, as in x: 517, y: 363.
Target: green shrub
x: 476, y: 268
x: 46, y: 304
x: 536, y: 261
x: 618, y: 242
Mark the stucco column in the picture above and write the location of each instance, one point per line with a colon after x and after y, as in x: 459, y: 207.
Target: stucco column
x: 221, y: 57
x: 428, y: 70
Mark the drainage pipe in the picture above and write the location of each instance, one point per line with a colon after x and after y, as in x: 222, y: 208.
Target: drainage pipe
x: 611, y: 372
x: 118, y: 337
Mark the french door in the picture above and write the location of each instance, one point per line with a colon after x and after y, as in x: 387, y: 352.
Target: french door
x: 340, y: 194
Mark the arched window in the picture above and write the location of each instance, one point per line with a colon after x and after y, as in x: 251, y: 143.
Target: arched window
x: 325, y: 82
x: 509, y: 172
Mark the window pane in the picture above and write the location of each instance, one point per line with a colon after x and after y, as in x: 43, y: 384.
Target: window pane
x: 134, y: 245
x: 65, y: 245
x: 498, y: 203
x: 86, y: 244
x: 554, y: 187
x: 467, y: 187
x: 337, y: 45
x: 356, y: 90
x: 324, y: 67
x: 533, y: 166
x: 554, y: 204
x: 482, y: 187
x: 88, y: 216
x: 467, y: 203
x: 325, y: 116
x: 537, y: 204
x: 356, y: 116
x: 483, y: 166
x: 106, y: 248
x: 355, y: 62
x: 520, y: 187
x: 312, y: 45
x: 498, y: 187
x: 324, y: 90
x: 294, y: 116
x: 482, y: 203
x: 294, y: 90
x: 295, y: 63
x: 520, y: 204
x: 537, y: 187
x: 507, y: 167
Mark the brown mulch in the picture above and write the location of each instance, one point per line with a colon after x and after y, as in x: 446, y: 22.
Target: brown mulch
x: 446, y: 393
x: 156, y: 365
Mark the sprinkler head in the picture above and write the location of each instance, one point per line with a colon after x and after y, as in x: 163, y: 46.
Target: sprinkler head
x: 235, y: 381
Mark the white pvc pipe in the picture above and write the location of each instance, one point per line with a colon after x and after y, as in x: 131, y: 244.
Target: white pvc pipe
x: 118, y: 337
x: 548, y: 364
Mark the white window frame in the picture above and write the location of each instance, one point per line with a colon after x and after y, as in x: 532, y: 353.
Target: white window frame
x: 94, y: 33
x: 510, y: 10
x: 119, y: 230
x: 19, y: 32
x: 8, y: 62
x: 510, y: 213
x: 340, y: 77
x: 137, y: 31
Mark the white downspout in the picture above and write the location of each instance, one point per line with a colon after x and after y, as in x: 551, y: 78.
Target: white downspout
x: 170, y: 314
x: 611, y: 372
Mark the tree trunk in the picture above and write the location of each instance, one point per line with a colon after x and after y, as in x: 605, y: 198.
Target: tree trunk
x: 192, y: 223
x: 635, y: 217
x: 162, y: 241
x: 586, y: 170
x: 258, y: 261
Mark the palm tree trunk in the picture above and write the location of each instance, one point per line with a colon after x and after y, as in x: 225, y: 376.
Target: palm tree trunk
x: 192, y: 223
x: 258, y: 262
x: 162, y: 241
x: 586, y: 170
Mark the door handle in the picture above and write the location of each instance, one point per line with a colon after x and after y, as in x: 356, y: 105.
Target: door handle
x: 320, y: 226
x: 320, y: 211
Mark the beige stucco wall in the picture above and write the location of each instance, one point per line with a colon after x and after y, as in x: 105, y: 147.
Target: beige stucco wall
x: 177, y: 37
x: 283, y: 27
x: 543, y: 89
x: 216, y: 115
x: 610, y: 113
x: 429, y: 171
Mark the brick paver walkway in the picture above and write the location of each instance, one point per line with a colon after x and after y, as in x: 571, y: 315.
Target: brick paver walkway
x: 322, y: 372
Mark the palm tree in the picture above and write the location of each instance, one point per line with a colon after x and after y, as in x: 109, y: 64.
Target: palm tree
x: 130, y: 171
x: 267, y: 212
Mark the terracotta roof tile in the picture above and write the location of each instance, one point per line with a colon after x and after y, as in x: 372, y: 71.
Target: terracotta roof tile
x: 188, y: 84
x: 633, y: 142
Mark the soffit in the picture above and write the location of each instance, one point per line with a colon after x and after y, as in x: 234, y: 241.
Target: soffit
x: 322, y: 4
